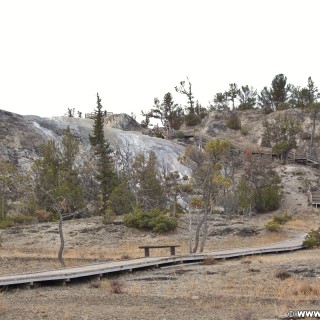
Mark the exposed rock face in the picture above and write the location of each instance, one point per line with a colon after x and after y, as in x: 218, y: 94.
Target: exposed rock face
x: 20, y: 137
x: 122, y: 121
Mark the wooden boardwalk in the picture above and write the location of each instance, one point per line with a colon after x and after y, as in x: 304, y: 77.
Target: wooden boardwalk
x: 303, y: 158
x: 97, y: 270
x: 315, y: 198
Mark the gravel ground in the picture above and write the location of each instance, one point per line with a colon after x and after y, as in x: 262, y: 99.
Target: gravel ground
x: 245, y: 288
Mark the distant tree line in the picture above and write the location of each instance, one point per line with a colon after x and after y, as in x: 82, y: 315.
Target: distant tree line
x: 281, y: 95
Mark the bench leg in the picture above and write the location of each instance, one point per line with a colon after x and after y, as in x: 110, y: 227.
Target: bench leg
x: 173, y: 251
x: 146, y: 252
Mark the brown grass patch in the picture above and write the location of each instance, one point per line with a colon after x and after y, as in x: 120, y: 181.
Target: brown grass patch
x: 283, y: 275
x: 117, y: 286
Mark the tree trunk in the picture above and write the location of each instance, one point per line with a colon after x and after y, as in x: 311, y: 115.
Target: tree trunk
x: 197, y: 236
x: 174, y: 206
x: 190, y: 229
x: 60, y: 257
x: 2, y: 202
x: 312, y: 133
x: 205, y: 231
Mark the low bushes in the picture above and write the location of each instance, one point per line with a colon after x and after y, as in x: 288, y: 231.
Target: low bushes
x: 312, y: 239
x: 273, y: 226
x: 178, y: 134
x: 277, y: 221
x: 16, y: 220
x: 282, y: 218
x: 234, y: 122
x: 24, y: 219
x: 154, y: 219
x: 244, y: 131
x: 6, y: 223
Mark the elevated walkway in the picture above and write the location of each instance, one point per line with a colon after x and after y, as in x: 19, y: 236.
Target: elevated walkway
x: 303, y: 158
x: 315, y: 198
x: 65, y: 275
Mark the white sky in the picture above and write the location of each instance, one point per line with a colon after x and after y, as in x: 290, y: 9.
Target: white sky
x: 58, y: 54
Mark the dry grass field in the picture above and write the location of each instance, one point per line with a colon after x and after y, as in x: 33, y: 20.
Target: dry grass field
x: 258, y: 287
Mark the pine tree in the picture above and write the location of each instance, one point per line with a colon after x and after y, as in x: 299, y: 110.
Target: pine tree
x: 150, y: 192
x: 57, y: 177
x: 106, y: 175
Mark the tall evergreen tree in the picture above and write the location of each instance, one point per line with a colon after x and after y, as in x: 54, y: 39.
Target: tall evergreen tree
x: 275, y: 98
x: 220, y: 101
x: 150, y: 193
x: 280, y: 90
x: 168, y: 112
x: 247, y: 98
x: 106, y: 175
x: 233, y: 93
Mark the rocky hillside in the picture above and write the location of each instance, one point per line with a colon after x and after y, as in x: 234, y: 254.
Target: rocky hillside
x: 20, y: 137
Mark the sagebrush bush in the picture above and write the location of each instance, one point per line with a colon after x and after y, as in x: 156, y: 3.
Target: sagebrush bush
x: 273, y: 226
x: 178, y: 134
x: 244, y: 131
x: 282, y: 218
x: 24, y: 219
x: 277, y: 221
x: 6, y: 223
x: 154, y: 219
x: 234, y: 122
x: 312, y: 239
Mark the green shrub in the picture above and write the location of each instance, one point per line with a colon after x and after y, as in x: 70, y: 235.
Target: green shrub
x: 192, y: 119
x: 234, y: 122
x: 6, y: 223
x: 282, y: 218
x: 244, y: 131
x: 273, y: 226
x: 312, y: 239
x: 154, y: 219
x: 267, y: 198
x: 24, y: 219
x: 121, y: 199
x: 178, y: 134
x: 277, y: 221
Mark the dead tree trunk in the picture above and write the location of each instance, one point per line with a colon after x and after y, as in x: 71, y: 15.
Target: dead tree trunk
x: 2, y: 202
x: 190, y: 228
x: 60, y: 253
x: 205, y: 232
x: 197, y: 236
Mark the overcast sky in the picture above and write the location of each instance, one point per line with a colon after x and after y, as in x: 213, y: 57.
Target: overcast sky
x: 59, y: 54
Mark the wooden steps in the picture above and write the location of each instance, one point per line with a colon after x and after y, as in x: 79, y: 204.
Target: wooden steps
x: 303, y: 158
x: 315, y: 198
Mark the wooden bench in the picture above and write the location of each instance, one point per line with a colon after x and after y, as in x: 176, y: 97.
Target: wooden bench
x: 147, y: 249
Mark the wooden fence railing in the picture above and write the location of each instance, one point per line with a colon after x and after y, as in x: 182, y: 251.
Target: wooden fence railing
x: 92, y: 115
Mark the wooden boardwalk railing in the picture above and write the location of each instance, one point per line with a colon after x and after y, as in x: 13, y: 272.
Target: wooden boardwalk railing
x: 97, y: 270
x: 303, y: 157
x: 315, y: 198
